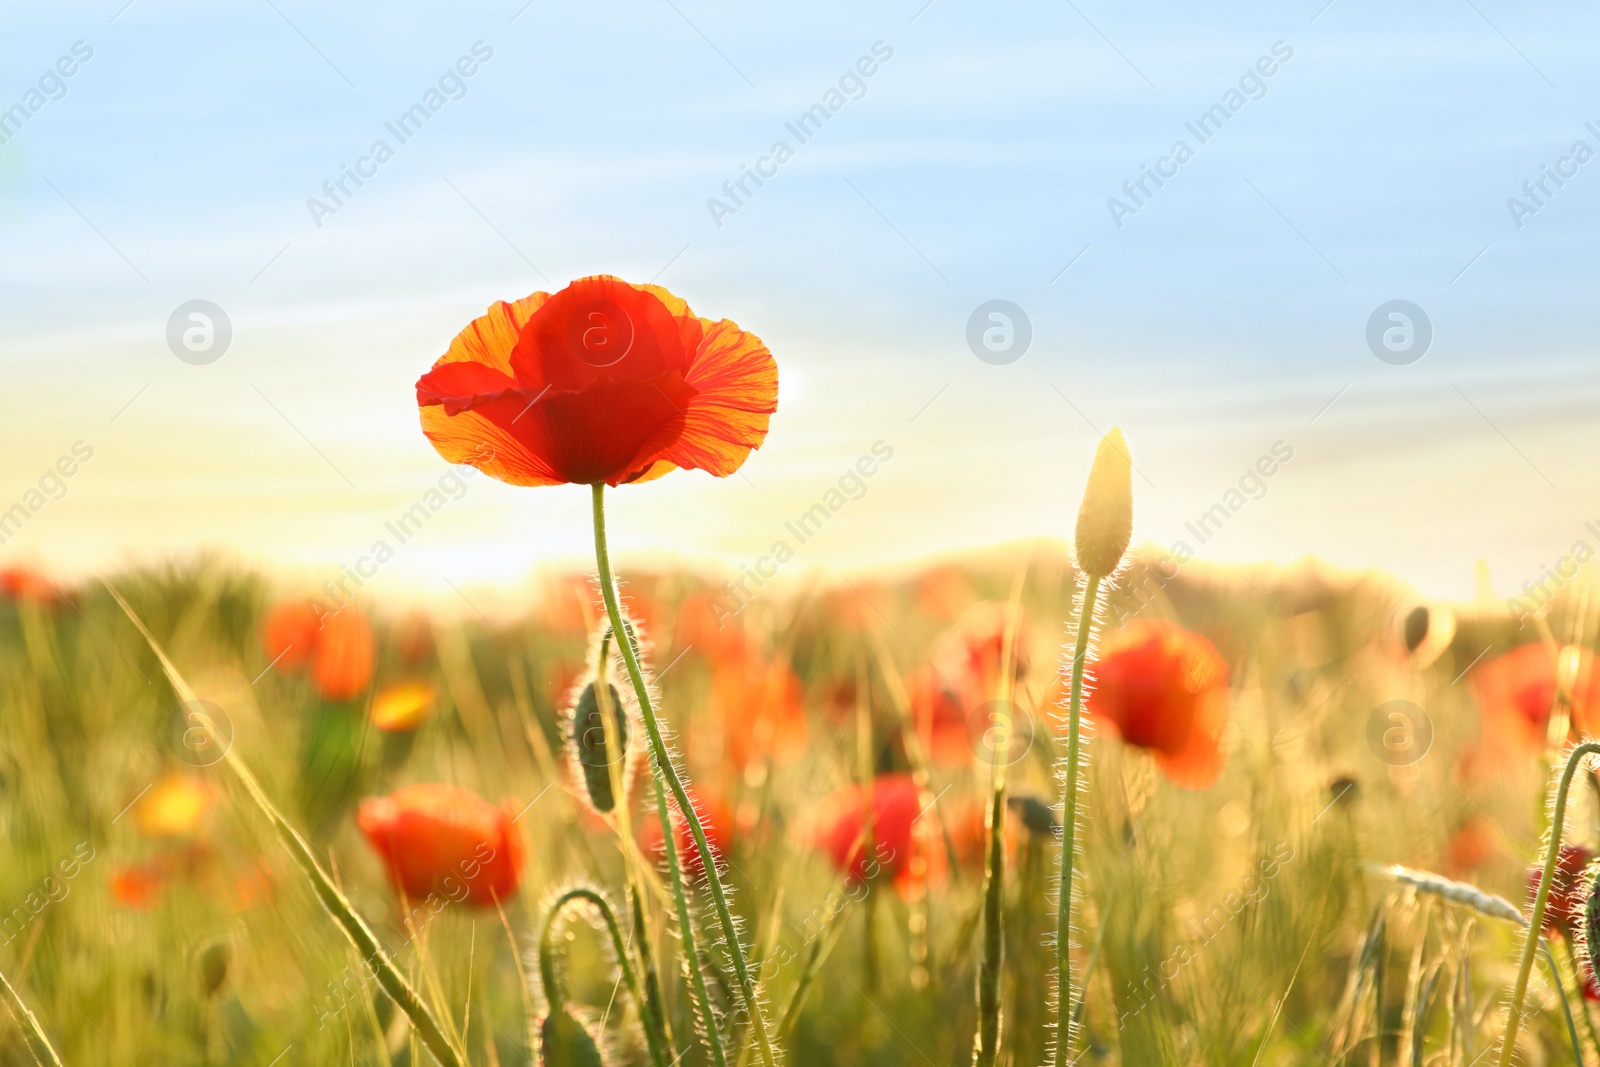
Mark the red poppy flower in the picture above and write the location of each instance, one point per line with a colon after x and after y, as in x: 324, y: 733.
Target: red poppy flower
x: 604, y: 381
x: 889, y: 817
x: 1518, y: 690
x: 940, y: 716
x: 1563, y: 913
x: 443, y: 839
x: 715, y: 819
x: 1164, y: 689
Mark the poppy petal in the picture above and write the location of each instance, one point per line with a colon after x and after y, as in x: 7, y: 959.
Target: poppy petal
x: 735, y: 381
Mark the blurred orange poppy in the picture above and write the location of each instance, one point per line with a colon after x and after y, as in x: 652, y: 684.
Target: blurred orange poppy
x: 338, y: 645
x: 1518, y: 691
x: 888, y: 816
x: 443, y: 839
x: 759, y: 704
x: 604, y: 381
x: 289, y: 634
x: 948, y: 696
x: 716, y: 819
x: 341, y: 667
x: 1164, y: 689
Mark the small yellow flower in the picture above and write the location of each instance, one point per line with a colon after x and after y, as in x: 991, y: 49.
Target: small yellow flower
x: 173, y: 807
x: 402, y: 706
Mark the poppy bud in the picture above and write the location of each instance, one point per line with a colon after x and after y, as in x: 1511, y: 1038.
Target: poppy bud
x: 564, y: 1042
x: 590, y: 747
x: 1416, y: 627
x: 1036, y: 815
x: 213, y: 967
x: 1105, y: 519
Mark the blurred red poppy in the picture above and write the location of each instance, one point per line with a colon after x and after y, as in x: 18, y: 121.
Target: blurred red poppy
x: 715, y: 818
x: 446, y: 840
x: 604, y: 381
x: 137, y: 886
x: 1518, y: 691
x: 889, y: 818
x: 1563, y: 913
x: 948, y: 696
x: 21, y: 583
x: 1470, y: 846
x: 1164, y: 689
x: 944, y: 592
x: 759, y: 704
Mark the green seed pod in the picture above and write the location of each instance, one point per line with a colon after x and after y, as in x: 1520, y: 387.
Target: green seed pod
x: 1035, y: 814
x: 1105, y: 519
x: 213, y: 967
x: 564, y: 1042
x: 589, y: 746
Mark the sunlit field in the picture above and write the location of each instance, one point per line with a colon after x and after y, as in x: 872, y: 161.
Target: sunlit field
x: 1236, y: 903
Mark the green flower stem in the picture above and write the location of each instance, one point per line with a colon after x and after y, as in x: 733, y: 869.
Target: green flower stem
x: 986, y: 1048
x: 1536, y: 920
x: 20, y: 1008
x: 691, y: 961
x: 554, y: 991
x: 423, y: 1022
x: 1069, y: 827
x: 666, y: 773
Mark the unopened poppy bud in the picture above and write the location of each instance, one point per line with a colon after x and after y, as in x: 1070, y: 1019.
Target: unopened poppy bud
x: 590, y: 747
x: 1416, y: 627
x: 565, y: 1042
x: 1105, y: 519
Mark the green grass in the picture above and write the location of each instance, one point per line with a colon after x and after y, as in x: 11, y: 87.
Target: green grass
x: 1238, y: 925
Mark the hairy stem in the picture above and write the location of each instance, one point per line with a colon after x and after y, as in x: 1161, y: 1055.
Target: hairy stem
x: 1536, y: 920
x: 555, y: 992
x: 1069, y: 827
x: 667, y: 774
x: 691, y: 952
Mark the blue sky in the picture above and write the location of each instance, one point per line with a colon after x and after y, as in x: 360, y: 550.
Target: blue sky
x: 1227, y: 314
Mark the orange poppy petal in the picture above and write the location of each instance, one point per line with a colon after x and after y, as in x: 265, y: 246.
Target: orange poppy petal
x: 490, y: 338
x: 473, y: 439
x: 736, y: 391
